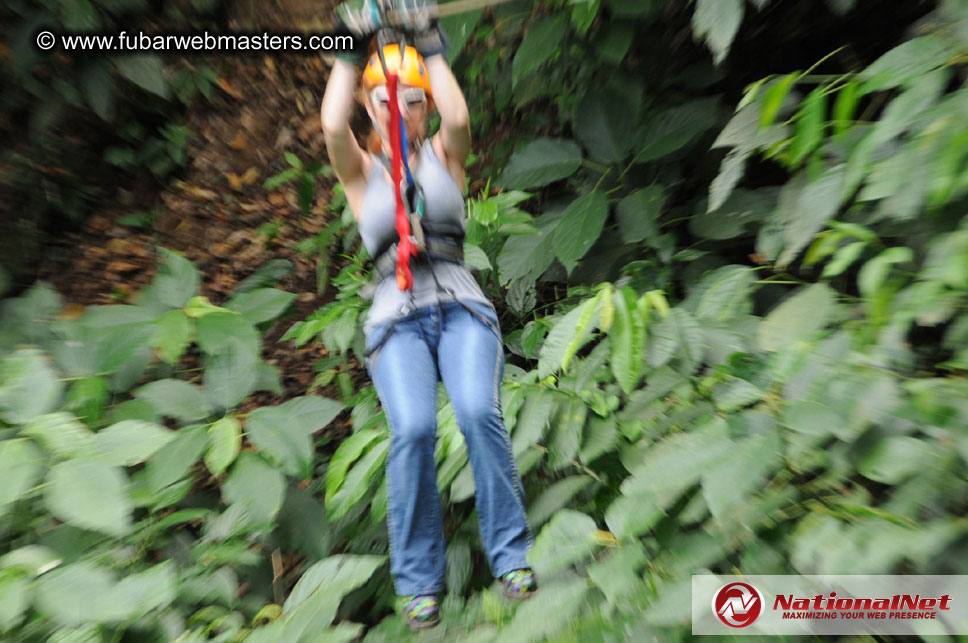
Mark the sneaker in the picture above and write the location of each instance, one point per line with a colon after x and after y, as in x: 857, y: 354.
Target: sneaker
x: 520, y: 584
x: 421, y: 612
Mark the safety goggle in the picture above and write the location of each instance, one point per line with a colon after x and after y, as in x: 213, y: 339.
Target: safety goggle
x: 410, y: 99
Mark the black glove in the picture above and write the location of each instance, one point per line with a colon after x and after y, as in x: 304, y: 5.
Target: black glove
x: 419, y: 17
x: 361, y: 19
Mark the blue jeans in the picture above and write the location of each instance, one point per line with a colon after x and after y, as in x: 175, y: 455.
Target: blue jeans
x: 450, y: 344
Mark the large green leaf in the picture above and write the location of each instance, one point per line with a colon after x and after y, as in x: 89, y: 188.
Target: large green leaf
x: 604, y: 121
x: 907, y: 62
x: 139, y: 593
x: 148, y: 72
x: 224, y: 444
x: 797, y: 318
x: 533, y: 419
x: 62, y: 435
x: 717, y: 22
x: 555, y: 497
x: 565, y: 439
x: 232, y: 373
x: 459, y: 28
x: 804, y: 212
x: 897, y: 457
x: 567, y: 539
x: 581, y: 224
x: 637, y: 213
x: 627, y: 336
x: 89, y: 494
x: 725, y: 292
x: 131, y: 441
x: 617, y: 575
x: 76, y: 594
x: 20, y: 462
x: 312, y: 412
x: 258, y: 486
x: 172, y: 334
x: 262, y: 304
x: 679, y: 333
x: 218, y: 330
x: 671, y: 129
x: 357, y: 481
x: 538, y: 46
x: 282, y: 439
x: 176, y: 398
x: 560, y: 337
x: 741, y: 471
x: 177, y: 279
x: 541, y: 162
x: 349, y: 450
x: 174, y: 460
x: 28, y: 386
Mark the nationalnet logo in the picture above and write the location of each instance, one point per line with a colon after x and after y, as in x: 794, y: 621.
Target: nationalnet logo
x: 737, y: 604
x: 764, y: 605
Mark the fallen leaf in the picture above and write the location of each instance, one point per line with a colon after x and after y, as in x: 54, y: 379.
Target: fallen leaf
x: 277, y: 199
x: 250, y: 176
x: 235, y: 181
x: 71, y: 311
x: 121, y: 266
x: 202, y: 193
x: 238, y: 142
x: 230, y: 89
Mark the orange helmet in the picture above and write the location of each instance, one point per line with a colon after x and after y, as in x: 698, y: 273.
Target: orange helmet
x: 412, y: 72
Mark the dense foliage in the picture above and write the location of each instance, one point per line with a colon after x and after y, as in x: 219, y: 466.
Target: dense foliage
x: 736, y: 337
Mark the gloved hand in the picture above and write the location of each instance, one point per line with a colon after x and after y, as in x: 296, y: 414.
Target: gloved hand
x: 419, y: 17
x: 361, y: 18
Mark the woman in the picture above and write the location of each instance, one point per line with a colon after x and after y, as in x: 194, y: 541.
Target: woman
x: 444, y: 328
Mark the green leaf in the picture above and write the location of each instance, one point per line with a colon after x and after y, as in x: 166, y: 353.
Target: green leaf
x: 603, y: 124
x: 528, y: 255
x: 89, y: 494
x: 15, y: 596
x: 875, y: 271
x: 476, y: 258
x: 627, y: 337
x: 547, y: 612
x: 567, y: 539
x: 809, y: 126
x: 140, y: 593
x: 28, y: 386
x: 265, y: 275
x: 172, y: 333
x: 358, y: 481
x: 533, y: 420
x: 257, y: 486
x: 554, y: 498
x: 565, y: 439
x: 75, y: 594
x: 589, y: 308
x: 148, y: 72
x: 521, y: 295
x: 671, y: 129
x: 797, y: 318
x: 581, y: 224
x: 740, y: 472
x: 459, y: 28
x: 217, y: 331
x: 617, y: 575
x: 541, y: 162
x: 312, y: 412
x: 717, y: 22
x: 803, y: 212
x: 731, y: 170
x: 844, y: 108
x: 224, y: 444
x: 539, y: 44
x: 897, y: 457
x: 843, y: 259
x: 262, y: 304
x: 62, y: 435
x: 175, y: 398
x: 282, y: 439
x: 131, y: 442
x: 725, y: 292
x: 908, y: 61
x: 174, y: 460
x: 560, y: 338
x: 177, y: 279
x: 601, y: 435
x: 637, y: 213
x: 95, y: 82
x: 232, y: 373
x: 678, y: 332
x: 773, y: 98
x: 810, y: 418
x: 21, y: 464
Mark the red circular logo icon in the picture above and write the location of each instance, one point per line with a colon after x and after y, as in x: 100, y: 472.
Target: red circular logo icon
x: 737, y: 604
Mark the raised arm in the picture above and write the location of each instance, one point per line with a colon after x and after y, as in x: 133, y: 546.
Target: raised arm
x: 345, y: 154
x: 455, y: 129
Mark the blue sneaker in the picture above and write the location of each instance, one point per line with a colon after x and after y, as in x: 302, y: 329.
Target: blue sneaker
x: 520, y: 584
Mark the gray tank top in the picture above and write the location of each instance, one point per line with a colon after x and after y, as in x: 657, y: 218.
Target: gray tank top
x: 444, y: 214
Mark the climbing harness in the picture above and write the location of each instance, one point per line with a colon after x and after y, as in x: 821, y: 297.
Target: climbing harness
x: 409, y: 205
